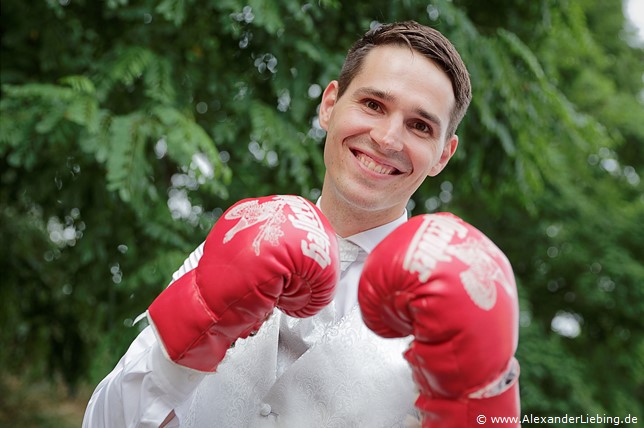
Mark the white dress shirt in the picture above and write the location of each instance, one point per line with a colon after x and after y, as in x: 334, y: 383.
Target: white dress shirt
x: 145, y: 386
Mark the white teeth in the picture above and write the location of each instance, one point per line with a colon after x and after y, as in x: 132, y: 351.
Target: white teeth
x: 373, y: 166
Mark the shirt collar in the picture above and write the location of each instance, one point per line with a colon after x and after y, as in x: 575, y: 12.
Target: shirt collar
x: 368, y: 239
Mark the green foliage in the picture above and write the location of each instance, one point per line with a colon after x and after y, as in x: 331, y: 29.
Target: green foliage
x: 127, y: 127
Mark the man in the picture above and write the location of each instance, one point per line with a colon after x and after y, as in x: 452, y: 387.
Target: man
x: 390, y: 119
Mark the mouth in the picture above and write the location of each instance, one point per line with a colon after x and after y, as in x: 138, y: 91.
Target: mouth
x: 375, y: 166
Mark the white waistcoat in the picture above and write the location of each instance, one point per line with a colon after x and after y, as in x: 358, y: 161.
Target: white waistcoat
x: 345, y: 377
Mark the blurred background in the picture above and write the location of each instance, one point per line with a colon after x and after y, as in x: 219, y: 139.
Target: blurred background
x: 128, y: 127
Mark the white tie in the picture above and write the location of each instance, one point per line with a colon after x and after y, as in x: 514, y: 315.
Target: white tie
x: 348, y: 253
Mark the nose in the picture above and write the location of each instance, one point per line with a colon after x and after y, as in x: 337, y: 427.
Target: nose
x: 388, y: 134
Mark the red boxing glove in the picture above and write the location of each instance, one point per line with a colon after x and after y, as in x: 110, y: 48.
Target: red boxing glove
x: 275, y: 251
x: 443, y: 281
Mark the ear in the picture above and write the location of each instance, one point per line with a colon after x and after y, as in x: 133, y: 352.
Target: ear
x: 448, y: 152
x: 329, y: 97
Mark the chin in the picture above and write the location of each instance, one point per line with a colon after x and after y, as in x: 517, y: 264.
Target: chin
x: 370, y: 201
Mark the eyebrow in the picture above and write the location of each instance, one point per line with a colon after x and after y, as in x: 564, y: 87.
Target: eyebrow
x: 387, y: 96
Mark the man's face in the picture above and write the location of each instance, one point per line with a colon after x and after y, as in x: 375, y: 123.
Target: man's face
x: 386, y: 133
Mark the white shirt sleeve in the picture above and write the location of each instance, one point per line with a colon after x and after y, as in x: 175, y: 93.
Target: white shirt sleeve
x: 145, y: 386
x: 189, y: 264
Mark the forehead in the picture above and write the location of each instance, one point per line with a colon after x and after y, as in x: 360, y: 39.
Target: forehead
x: 400, y: 63
x: 400, y: 66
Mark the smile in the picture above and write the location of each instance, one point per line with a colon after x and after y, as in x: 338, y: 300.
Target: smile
x: 374, y: 166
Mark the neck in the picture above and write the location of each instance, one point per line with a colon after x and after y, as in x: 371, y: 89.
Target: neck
x: 348, y: 220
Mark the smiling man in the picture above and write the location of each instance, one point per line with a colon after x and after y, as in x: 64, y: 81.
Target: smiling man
x: 386, y: 132
x: 391, y: 120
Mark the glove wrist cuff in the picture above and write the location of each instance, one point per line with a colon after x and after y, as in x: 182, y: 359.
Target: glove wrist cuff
x: 183, y: 323
x: 501, y: 384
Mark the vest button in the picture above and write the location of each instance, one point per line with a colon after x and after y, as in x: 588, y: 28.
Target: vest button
x: 265, y: 409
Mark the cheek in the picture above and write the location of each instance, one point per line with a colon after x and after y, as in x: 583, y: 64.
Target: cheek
x: 328, y: 155
x: 424, y: 157
x: 332, y: 149
x: 349, y: 122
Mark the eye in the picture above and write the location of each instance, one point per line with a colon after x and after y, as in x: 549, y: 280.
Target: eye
x: 372, y: 105
x: 422, y: 127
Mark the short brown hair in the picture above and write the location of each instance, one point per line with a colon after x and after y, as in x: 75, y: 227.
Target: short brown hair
x: 426, y: 40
